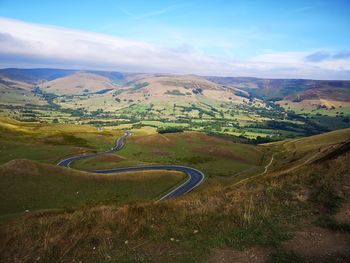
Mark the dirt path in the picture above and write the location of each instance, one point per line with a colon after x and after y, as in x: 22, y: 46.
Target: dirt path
x: 307, y: 161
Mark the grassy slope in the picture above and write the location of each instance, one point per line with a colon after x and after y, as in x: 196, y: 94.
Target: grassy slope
x: 27, y: 185
x: 37, y: 186
x: 214, y: 156
x: 261, y: 212
x: 50, y: 142
x: 292, y: 153
x: 15, y: 96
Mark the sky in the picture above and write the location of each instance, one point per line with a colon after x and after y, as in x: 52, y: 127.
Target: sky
x: 271, y: 39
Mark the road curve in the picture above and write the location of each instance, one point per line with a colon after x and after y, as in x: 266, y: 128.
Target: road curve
x: 119, y: 144
x: 195, y: 177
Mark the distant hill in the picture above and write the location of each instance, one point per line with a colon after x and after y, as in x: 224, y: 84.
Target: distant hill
x: 275, y: 89
x: 245, y: 107
x: 293, y: 90
x: 148, y: 88
x: 33, y: 76
x: 77, y: 83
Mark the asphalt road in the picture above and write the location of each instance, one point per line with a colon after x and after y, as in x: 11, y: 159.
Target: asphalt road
x: 195, y: 177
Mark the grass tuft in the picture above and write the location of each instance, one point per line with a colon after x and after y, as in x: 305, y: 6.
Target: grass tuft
x: 329, y: 222
x: 282, y: 256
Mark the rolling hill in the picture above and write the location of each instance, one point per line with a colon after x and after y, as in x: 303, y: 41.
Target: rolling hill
x: 295, y: 93
x: 294, y: 210
x: 275, y: 89
x: 77, y: 84
x: 245, y: 107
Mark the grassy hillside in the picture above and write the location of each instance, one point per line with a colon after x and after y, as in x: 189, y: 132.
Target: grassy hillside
x: 18, y: 96
x: 78, y: 84
x: 33, y: 76
x: 277, y: 89
x: 50, y: 142
x: 295, y: 153
x: 324, y: 102
x: 27, y: 185
x: 276, y: 214
x: 213, y: 156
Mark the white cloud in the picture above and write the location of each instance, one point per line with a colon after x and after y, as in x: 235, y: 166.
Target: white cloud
x: 32, y: 45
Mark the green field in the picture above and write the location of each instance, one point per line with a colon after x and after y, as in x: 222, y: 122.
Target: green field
x: 250, y: 120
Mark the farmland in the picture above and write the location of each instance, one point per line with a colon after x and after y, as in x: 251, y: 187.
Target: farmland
x: 274, y: 173
x: 136, y: 101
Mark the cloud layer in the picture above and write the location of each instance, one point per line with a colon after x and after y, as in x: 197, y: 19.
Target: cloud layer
x: 31, y: 45
x: 324, y: 56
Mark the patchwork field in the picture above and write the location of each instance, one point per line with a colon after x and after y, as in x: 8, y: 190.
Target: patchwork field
x: 255, y: 109
x: 262, y: 196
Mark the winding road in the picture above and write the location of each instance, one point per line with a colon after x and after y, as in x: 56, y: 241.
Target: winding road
x: 195, y: 177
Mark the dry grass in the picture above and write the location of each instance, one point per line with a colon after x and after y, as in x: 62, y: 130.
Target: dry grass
x: 216, y: 212
x: 260, y: 212
x: 219, y: 152
x: 30, y: 168
x: 195, y: 136
x: 77, y: 83
x: 27, y: 185
x: 153, y: 139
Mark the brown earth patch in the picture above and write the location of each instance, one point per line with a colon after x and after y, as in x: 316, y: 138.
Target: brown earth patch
x: 78, y: 150
x: 343, y: 215
x: 23, y: 167
x: 195, y: 136
x: 327, y: 93
x: 18, y: 166
x: 251, y: 255
x: 154, y: 139
x: 219, y: 152
x: 319, y: 245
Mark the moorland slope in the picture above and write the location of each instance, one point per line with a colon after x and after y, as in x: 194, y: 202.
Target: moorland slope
x: 302, y: 194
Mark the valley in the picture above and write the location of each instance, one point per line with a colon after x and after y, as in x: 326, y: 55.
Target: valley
x: 265, y: 197
x: 233, y: 107
x: 272, y: 171
x: 174, y: 131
